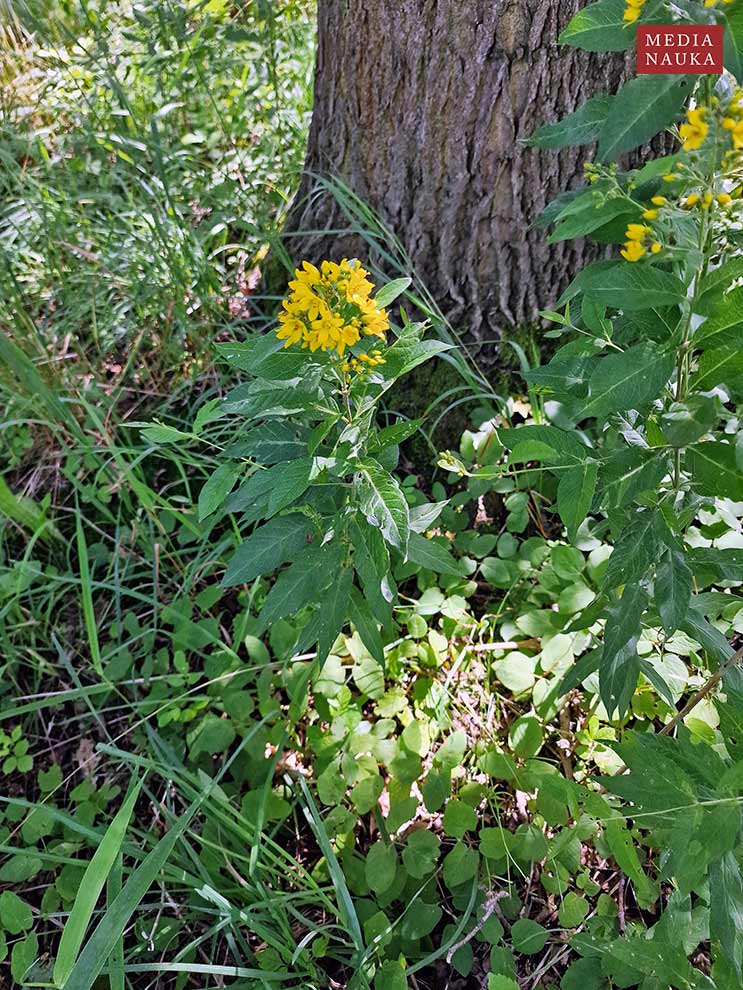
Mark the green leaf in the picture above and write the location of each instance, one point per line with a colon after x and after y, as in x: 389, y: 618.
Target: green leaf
x: 388, y: 293
x: 291, y: 482
x: 301, y: 583
x: 383, y: 503
x: 459, y: 818
x: 723, y: 366
x: 599, y: 27
x: 723, y: 328
x: 421, y: 853
x: 591, y: 216
x: 381, y: 867
x: 628, y: 380
x: 366, y: 793
x: 641, y: 109
x: 716, y: 283
x: 673, y: 588
x: 620, y: 664
x: 733, y: 40
x: 635, y: 551
x: 722, y: 565
x: 217, y: 487
x: 684, y: 422
x: 557, y: 445
x: 90, y: 888
x: 708, y: 636
x: 24, y: 954
x: 392, y: 435
x: 158, y: 433
x: 422, y: 517
x: 390, y: 976
x: 575, y: 493
x: 528, y: 936
x: 430, y: 554
x: 497, y: 981
x: 409, y: 351
x: 580, y: 127
x: 267, y: 548
x: 714, y: 470
x: 366, y: 625
x: 525, y: 736
x: 15, y: 914
x: 333, y: 611
x: 573, y: 910
x: 726, y: 908
x: 630, y: 287
x: 623, y: 850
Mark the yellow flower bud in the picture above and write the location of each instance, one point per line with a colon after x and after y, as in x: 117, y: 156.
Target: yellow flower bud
x: 724, y: 199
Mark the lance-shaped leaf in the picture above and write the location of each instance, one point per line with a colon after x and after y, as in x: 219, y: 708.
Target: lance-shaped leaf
x: 575, y: 494
x: 628, y: 380
x: 714, y: 469
x: 581, y: 127
x: 383, y: 503
x: 726, y: 908
x: 599, y: 27
x: 267, y: 548
x: 429, y: 554
x: 641, y: 109
x: 673, y: 588
x: 620, y: 663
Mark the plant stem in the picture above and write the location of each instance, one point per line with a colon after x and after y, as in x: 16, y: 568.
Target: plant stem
x: 702, y: 693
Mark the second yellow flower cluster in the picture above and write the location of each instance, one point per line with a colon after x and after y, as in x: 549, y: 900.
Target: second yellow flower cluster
x: 634, y: 248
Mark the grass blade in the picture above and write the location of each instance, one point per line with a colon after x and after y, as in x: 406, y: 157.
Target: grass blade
x: 87, y: 595
x: 103, y: 941
x: 90, y: 889
x: 346, y: 907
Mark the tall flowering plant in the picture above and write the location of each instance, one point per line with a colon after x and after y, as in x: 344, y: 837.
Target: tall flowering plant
x: 308, y: 475
x: 645, y: 440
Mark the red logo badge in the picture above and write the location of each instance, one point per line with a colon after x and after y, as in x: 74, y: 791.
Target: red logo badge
x: 672, y: 49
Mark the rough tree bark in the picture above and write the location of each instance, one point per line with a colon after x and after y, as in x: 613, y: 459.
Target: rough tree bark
x: 421, y: 107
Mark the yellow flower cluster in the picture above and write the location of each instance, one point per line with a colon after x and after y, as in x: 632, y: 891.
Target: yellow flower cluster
x: 733, y: 120
x: 632, y: 10
x: 331, y: 308
x: 364, y: 362
x: 636, y: 235
x: 695, y: 130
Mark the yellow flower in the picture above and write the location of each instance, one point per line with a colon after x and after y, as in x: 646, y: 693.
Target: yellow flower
x: 737, y: 134
x: 292, y: 329
x: 659, y: 200
x: 671, y: 177
x: 632, y: 10
x: 655, y: 247
x: 691, y: 200
x: 707, y: 200
x: 695, y: 130
x: 633, y: 251
x: 637, y: 232
x: 724, y: 199
x: 329, y: 308
x: 650, y: 215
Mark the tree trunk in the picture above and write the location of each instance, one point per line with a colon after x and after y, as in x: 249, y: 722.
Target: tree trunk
x: 421, y: 107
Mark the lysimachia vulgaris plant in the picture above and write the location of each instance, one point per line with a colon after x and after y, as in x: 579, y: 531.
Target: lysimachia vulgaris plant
x: 643, y: 436
x: 308, y: 477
